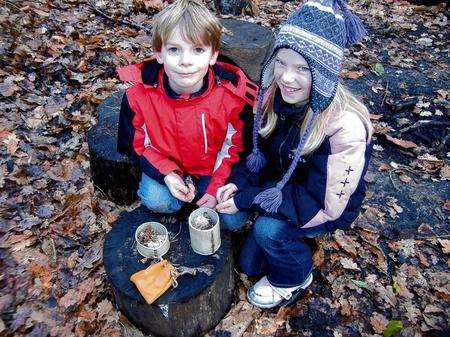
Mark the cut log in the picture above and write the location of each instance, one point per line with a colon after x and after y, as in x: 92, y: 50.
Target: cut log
x: 196, y: 305
x: 246, y: 45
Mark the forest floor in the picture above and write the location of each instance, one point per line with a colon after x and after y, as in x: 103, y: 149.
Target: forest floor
x: 387, y: 276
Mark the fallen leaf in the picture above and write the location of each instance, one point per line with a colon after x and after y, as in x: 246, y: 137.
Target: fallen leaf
x: 406, y: 144
x: 405, y: 178
x: 348, y: 264
x: 74, y: 297
x: 379, y: 322
x: 445, y: 245
x: 346, y: 242
x: 445, y: 172
x: 378, y: 69
x: 446, y: 205
x: 352, y: 74
x: 360, y: 284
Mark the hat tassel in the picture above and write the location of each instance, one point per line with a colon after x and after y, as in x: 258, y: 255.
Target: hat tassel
x: 269, y: 199
x: 256, y: 160
x: 354, y: 27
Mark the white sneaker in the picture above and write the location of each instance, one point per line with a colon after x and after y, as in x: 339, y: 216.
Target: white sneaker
x: 264, y: 295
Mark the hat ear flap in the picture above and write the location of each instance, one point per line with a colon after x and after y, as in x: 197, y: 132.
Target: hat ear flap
x: 267, y: 77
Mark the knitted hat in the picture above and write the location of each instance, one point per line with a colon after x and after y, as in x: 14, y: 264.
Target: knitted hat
x: 319, y: 31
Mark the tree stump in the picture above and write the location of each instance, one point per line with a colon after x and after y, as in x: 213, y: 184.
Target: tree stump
x: 111, y: 172
x: 246, y: 45
x: 196, y: 305
x: 234, y: 7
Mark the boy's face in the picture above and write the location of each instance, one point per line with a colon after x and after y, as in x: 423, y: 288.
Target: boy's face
x: 293, y: 76
x: 185, y: 63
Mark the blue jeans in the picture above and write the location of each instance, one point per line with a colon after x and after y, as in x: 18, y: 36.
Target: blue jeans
x: 276, y: 248
x: 157, y: 198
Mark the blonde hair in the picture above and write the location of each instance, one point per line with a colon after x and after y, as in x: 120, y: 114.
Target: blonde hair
x: 196, y: 23
x: 344, y: 100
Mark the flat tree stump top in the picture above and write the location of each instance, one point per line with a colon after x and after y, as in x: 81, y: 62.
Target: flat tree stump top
x: 121, y: 258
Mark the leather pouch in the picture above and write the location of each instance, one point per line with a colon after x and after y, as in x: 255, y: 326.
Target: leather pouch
x: 155, y: 280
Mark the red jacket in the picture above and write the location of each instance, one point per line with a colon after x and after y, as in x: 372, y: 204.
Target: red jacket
x: 199, y: 136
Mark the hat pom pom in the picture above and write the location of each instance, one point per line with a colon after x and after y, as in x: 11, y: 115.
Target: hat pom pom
x: 354, y: 27
x: 270, y: 199
x: 256, y: 161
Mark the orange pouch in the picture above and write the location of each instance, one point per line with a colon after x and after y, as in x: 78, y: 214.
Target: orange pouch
x: 155, y: 280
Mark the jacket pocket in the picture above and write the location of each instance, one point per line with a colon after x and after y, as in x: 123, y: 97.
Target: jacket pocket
x: 205, y: 135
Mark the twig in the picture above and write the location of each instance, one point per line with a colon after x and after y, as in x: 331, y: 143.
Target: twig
x: 392, y: 181
x: 385, y: 93
x: 12, y: 4
x: 122, y: 21
x: 444, y: 142
x: 421, y: 124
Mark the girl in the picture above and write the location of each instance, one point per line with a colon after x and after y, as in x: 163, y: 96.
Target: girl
x: 311, y: 148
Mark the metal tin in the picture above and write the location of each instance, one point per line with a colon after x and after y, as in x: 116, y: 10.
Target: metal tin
x: 155, y: 251
x: 205, y: 241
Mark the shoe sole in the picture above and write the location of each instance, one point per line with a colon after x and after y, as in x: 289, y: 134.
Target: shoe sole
x: 285, y: 302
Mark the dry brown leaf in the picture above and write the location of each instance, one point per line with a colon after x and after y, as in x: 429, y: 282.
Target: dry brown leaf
x: 405, y: 178
x: 423, y: 260
x: 445, y: 172
x: 430, y: 163
x: 445, y: 245
x: 74, y: 297
x: 446, y: 205
x: 379, y: 322
x: 406, y: 144
x: 238, y: 319
x: 346, y: 242
x: 352, y: 74
x: 265, y: 325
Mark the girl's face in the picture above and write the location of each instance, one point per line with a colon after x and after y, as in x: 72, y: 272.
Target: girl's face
x: 293, y: 76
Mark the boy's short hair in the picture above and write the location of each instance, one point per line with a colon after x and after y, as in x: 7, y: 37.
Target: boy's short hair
x: 197, y: 24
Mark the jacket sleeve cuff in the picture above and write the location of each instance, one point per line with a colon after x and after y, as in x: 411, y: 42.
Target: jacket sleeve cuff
x: 244, y: 199
x: 151, y: 171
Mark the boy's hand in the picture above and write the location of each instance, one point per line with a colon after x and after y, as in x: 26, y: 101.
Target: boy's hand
x: 207, y: 201
x: 177, y: 187
x: 190, y: 184
x: 227, y: 207
x: 226, y: 192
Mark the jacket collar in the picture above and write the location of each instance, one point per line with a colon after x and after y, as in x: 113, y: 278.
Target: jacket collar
x: 151, y: 74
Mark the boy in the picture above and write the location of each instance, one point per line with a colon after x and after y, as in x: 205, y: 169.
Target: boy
x: 183, y: 116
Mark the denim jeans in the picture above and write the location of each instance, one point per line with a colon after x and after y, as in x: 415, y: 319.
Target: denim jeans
x: 276, y: 248
x: 157, y: 198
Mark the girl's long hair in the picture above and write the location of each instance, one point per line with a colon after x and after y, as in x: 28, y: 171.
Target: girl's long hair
x: 343, y: 101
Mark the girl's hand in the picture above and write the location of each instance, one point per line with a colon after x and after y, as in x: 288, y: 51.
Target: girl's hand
x: 207, y: 201
x: 227, y: 207
x: 226, y: 192
x: 177, y: 187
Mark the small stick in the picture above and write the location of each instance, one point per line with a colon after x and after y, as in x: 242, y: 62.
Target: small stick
x: 421, y: 124
x: 392, y: 181
x: 385, y: 93
x: 122, y: 21
x: 444, y: 142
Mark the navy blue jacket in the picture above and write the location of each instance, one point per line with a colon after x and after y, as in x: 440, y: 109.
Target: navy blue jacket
x: 327, y: 186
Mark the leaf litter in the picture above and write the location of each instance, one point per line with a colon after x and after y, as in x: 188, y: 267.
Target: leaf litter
x: 378, y: 278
